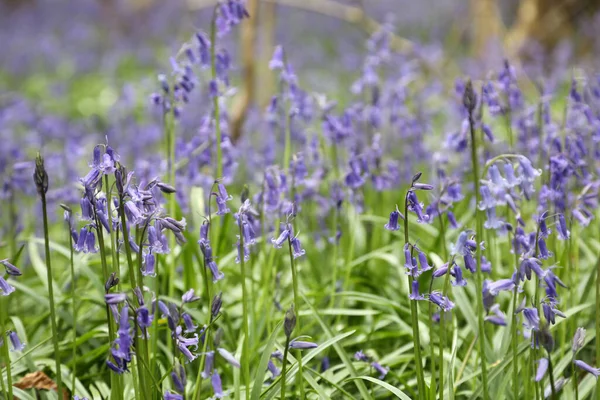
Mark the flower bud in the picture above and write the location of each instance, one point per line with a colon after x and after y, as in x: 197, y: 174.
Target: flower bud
x: 290, y: 321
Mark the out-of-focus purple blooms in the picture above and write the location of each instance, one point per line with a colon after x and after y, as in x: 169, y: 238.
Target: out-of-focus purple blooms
x: 144, y: 318
x: 228, y: 357
x: 527, y: 171
x: 457, y: 272
x: 561, y: 228
x: 497, y: 317
x: 587, y: 368
x: 178, y: 377
x: 544, y: 253
x: 500, y: 285
x: 115, y: 298
x: 302, y: 345
x: 283, y: 236
x: 486, y: 266
x: 550, y: 312
x: 360, y: 356
x: 216, y: 304
x: 544, y: 230
x: 297, y: 249
x: 531, y: 264
x: 189, y: 297
x: 380, y: 369
x: 452, y: 219
x: 441, y: 271
x: 242, y: 252
x: 15, y: 341
x: 470, y: 263
x: 209, y: 363
x: 414, y: 294
x: 215, y: 381
x: 275, y: 372
x: 578, y: 340
x: 189, y: 323
x: 172, y: 396
x: 149, y: 265
x: 541, y: 369
x: 5, y: 287
x: 325, y: 364
x: 277, y: 62
x: 532, y: 319
x: 214, y: 269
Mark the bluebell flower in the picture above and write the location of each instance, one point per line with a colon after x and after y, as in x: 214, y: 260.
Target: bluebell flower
x: 275, y: 372
x: 500, y: 285
x: 380, y: 369
x: 172, y: 396
x: 587, y: 368
x: 561, y: 228
x: 360, y: 356
x: 189, y: 323
x: 457, y: 272
x: 578, y: 340
x: 283, y: 236
x: 544, y: 253
x: 423, y: 262
x: 297, y: 249
x: 496, y: 316
x: 277, y: 62
x: 532, y: 319
x: 416, y: 207
x: 228, y: 357
x: 149, y: 265
x: 115, y: 298
x: 178, y: 377
x: 414, y: 294
x: 302, y: 345
x: 209, y: 360
x: 441, y: 271
x: 15, y: 341
x: 5, y: 287
x: 144, y: 320
x: 392, y: 224
x: 541, y: 369
x: 215, y: 381
x: 441, y: 301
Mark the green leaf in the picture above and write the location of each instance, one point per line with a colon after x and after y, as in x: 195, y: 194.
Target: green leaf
x: 397, y: 392
x: 264, y: 361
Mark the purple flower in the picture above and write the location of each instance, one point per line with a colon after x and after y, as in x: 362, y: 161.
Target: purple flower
x: 561, y: 228
x: 301, y: 345
x: 423, y: 262
x: 5, y: 287
x: 441, y: 301
x: 149, y: 265
x: 588, y: 368
x: 283, y: 236
x: 414, y: 294
x: 532, y: 319
x: 578, y: 340
x: 115, y: 298
x: 392, y: 224
x: 10, y: 269
x: 15, y: 341
x: 189, y: 323
x: 208, y: 364
x: 277, y: 59
x: 214, y: 269
x: 297, y: 249
x: 457, y: 272
x: 503, y: 284
x: 497, y: 317
x: 189, y: 297
x: 541, y: 369
x: 215, y: 381
x: 380, y: 369
x: 172, y: 396
x: 441, y: 271
x: 360, y: 356
x: 228, y: 357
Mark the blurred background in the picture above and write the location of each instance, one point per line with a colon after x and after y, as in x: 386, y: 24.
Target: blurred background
x: 78, y: 57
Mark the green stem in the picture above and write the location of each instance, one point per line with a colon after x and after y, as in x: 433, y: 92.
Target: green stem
x: 478, y: 275
x: 5, y: 351
x: 297, y: 308
x: 74, y: 300
x: 443, y: 334
x: 198, y: 389
x: 414, y: 313
x: 551, y: 374
x: 51, y: 297
x: 514, y: 341
x: 574, y: 378
x: 245, y: 346
x: 598, y: 320
x: 284, y: 367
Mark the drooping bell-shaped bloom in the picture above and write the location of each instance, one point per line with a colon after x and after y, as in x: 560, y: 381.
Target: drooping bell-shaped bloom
x: 587, y: 368
x: 541, y: 369
x: 414, y: 294
x: 15, y: 341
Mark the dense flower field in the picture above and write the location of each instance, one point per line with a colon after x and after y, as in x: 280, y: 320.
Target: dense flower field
x: 414, y: 235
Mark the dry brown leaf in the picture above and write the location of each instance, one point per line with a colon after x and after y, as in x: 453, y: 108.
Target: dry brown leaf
x: 38, y: 380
